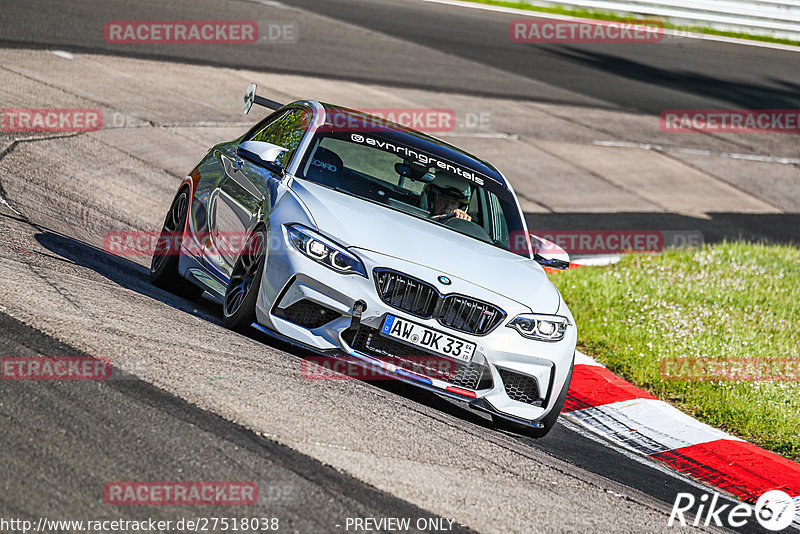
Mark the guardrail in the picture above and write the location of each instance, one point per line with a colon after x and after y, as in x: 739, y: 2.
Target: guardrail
x: 776, y: 18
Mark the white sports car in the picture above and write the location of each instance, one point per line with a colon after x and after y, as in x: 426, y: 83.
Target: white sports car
x: 362, y: 239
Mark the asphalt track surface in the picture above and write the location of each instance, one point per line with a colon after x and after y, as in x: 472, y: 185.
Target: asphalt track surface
x: 422, y: 45
x: 70, y: 439
x: 62, y: 442
x: 682, y: 73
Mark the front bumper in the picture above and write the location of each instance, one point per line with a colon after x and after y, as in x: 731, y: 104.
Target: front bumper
x: 292, y: 281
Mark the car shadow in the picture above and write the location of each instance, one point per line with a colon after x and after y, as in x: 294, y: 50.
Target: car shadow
x: 135, y: 277
x: 123, y: 272
x: 781, y: 94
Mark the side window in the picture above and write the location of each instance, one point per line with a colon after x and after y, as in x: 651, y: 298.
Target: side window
x: 499, y: 231
x: 286, y: 130
x: 268, y: 122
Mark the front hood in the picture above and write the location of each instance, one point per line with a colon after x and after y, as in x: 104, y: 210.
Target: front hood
x: 360, y: 224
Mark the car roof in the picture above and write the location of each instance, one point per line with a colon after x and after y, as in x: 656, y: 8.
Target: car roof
x: 412, y: 138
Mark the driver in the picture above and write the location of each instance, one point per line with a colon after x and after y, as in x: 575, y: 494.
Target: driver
x: 448, y: 196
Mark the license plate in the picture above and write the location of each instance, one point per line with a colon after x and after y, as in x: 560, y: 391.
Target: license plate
x: 424, y: 337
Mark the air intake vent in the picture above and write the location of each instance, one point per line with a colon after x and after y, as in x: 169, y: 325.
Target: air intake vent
x: 474, y: 376
x: 469, y: 315
x: 406, y: 293
x: 308, y: 314
x: 422, y: 299
x: 519, y: 387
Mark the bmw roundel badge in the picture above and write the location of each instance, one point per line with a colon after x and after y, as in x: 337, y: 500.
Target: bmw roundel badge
x: 444, y: 280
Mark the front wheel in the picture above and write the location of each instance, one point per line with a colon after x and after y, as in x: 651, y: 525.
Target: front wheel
x: 239, y: 306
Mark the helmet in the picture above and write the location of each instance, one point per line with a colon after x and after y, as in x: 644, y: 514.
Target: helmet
x: 450, y: 186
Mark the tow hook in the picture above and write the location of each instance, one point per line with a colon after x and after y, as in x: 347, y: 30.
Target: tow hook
x: 358, y: 308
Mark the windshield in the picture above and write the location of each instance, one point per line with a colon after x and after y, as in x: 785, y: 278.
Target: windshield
x: 419, y: 184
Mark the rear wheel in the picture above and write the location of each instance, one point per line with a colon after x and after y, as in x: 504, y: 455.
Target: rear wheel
x: 164, y: 266
x: 239, y: 306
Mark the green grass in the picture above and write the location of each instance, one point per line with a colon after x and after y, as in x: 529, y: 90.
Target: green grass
x: 604, y: 15
x: 730, y: 300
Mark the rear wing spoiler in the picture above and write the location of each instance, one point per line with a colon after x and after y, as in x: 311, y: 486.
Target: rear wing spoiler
x: 250, y: 98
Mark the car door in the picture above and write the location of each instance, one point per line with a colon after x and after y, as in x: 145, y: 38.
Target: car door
x: 246, y: 189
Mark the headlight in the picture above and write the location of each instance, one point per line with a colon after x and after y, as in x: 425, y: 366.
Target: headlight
x: 541, y: 327
x: 324, y: 251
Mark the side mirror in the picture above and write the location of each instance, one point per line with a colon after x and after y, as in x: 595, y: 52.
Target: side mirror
x: 548, y: 254
x: 262, y: 154
x: 551, y: 263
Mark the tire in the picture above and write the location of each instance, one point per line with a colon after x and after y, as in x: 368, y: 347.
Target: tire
x: 164, y: 265
x: 239, y: 305
x: 549, y: 421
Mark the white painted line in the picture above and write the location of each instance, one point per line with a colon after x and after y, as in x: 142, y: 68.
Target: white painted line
x: 200, y: 124
x: 5, y: 203
x: 646, y: 426
x: 796, y: 523
x: 670, y: 33
x: 271, y: 3
x: 583, y: 359
x: 597, y: 260
x: 698, y: 152
x: 479, y: 135
x: 637, y: 457
x: 62, y: 53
